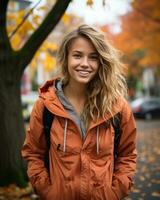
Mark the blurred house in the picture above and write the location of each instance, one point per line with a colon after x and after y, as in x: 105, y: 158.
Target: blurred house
x: 151, y: 82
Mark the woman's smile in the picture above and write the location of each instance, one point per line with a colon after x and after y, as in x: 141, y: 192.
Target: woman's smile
x: 83, y: 73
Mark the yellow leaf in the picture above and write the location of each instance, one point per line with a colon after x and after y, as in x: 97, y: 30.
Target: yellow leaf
x: 26, y: 27
x: 41, y: 8
x: 36, y: 20
x: 89, y: 2
x: 156, y: 194
x: 65, y: 19
x: 10, y: 28
x: 49, y: 45
x: 142, y: 178
x: 18, y: 20
x: 136, y: 190
x: 16, y: 42
x: 21, y: 13
x: 49, y: 62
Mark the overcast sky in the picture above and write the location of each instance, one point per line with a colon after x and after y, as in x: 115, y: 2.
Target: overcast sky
x: 97, y: 14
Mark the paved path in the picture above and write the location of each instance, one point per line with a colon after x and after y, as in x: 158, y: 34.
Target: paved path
x: 147, y: 180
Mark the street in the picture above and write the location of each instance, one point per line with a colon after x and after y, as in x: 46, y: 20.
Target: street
x: 147, y: 179
x: 143, y: 125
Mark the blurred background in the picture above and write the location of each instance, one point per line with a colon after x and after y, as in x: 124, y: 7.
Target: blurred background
x: 133, y: 27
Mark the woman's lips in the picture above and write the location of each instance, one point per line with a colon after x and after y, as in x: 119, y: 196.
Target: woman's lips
x: 83, y: 72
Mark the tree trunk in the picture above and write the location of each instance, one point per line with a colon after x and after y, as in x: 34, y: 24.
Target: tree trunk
x: 12, y: 65
x: 11, y: 127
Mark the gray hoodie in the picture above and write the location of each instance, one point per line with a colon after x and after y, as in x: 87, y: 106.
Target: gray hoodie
x: 70, y: 109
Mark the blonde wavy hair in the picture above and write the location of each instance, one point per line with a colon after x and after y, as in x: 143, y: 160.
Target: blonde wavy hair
x: 109, y: 84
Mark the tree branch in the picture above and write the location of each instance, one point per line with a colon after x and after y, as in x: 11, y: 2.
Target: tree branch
x: 24, y: 19
x: 37, y: 38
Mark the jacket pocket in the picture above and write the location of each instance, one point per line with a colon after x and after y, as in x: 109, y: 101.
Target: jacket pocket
x: 42, y: 191
x: 50, y: 191
x: 102, y: 192
x: 71, y: 190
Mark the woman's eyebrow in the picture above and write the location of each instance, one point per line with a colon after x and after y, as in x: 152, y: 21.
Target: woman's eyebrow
x: 76, y: 51
x: 94, y: 53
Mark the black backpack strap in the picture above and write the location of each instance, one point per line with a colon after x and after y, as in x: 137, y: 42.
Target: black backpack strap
x: 116, y: 122
x: 47, y: 123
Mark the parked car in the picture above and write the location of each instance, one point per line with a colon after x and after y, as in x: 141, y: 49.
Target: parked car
x: 27, y: 104
x: 146, y: 107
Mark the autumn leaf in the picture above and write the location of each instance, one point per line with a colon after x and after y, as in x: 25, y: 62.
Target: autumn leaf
x: 89, y: 2
x: 156, y: 194
x: 65, y: 19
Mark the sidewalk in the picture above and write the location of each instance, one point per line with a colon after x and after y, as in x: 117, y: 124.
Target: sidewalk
x: 147, y: 180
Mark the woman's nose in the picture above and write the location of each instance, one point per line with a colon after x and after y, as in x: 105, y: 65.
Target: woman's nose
x: 85, y: 62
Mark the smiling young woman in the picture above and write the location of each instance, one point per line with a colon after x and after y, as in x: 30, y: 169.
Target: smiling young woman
x: 83, y: 64
x: 89, y: 93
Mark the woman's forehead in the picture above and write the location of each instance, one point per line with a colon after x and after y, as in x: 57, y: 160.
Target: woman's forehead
x: 81, y: 43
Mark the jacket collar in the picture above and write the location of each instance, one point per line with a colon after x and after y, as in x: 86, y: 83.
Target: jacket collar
x: 48, y: 93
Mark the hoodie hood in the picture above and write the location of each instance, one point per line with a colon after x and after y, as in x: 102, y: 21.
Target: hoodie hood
x: 47, y: 90
x: 48, y: 95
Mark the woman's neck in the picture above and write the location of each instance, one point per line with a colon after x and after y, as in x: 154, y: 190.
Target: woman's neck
x: 76, y: 96
x: 76, y: 91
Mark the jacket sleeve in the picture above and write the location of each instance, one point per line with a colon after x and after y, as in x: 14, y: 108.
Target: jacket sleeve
x: 34, y: 149
x: 125, y: 164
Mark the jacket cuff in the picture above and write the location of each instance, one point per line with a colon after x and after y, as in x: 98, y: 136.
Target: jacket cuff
x: 42, y: 190
x: 121, y: 186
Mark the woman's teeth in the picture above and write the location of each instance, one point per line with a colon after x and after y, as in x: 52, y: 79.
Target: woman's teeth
x: 83, y: 72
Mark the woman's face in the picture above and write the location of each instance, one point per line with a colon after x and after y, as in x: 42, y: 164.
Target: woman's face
x: 83, y: 61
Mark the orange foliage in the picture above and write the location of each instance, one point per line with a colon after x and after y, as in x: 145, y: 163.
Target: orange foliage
x: 140, y: 36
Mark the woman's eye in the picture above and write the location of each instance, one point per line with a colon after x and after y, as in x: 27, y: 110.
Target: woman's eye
x: 76, y: 56
x: 94, y: 58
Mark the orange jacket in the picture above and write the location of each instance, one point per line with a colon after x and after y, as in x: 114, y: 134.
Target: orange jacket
x: 79, y: 170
